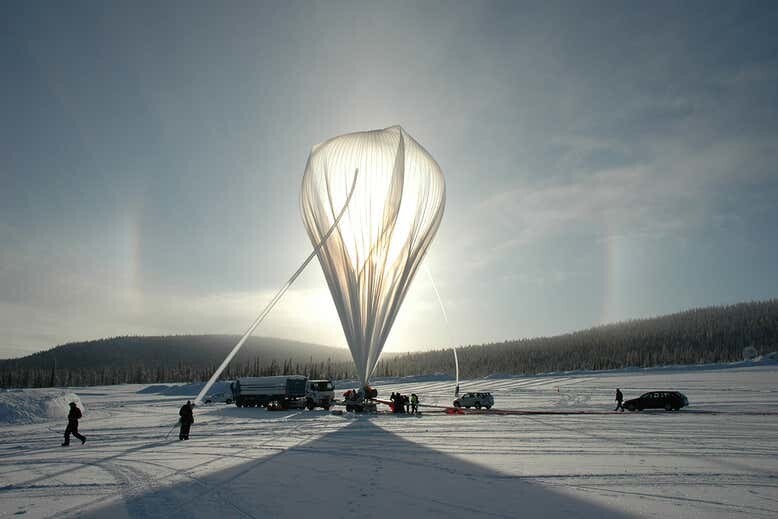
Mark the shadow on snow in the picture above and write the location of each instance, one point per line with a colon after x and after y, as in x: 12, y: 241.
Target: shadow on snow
x: 360, y: 470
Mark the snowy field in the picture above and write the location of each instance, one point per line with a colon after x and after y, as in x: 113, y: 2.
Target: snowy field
x: 717, y: 458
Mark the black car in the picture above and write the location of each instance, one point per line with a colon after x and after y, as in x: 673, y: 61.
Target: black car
x: 667, y: 400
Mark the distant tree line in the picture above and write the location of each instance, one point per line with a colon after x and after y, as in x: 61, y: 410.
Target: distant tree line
x: 704, y: 335
x: 141, y: 373
x: 178, y: 358
x: 713, y: 334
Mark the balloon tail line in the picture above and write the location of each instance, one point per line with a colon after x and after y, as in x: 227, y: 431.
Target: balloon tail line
x: 456, y: 363
x: 171, y: 429
x: 437, y: 294
x: 276, y: 298
x: 445, y: 316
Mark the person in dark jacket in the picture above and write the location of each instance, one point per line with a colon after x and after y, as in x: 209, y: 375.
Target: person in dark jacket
x: 619, y: 400
x: 187, y: 419
x: 72, y: 428
x: 395, y: 402
x: 398, y: 403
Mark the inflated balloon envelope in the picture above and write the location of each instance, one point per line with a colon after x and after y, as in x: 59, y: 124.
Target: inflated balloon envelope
x: 395, y: 210
x: 372, y: 202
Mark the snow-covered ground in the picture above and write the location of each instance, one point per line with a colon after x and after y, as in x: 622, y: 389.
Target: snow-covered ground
x: 717, y: 458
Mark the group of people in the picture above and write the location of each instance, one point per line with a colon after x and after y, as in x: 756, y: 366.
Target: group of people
x: 400, y: 404
x: 74, y: 415
x: 405, y: 404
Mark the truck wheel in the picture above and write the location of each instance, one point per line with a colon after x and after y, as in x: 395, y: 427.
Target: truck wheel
x: 310, y: 405
x: 326, y: 407
x: 478, y: 405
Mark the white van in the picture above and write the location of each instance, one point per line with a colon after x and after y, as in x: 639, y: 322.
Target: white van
x: 476, y: 400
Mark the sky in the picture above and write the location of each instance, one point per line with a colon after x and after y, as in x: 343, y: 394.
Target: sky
x: 603, y: 161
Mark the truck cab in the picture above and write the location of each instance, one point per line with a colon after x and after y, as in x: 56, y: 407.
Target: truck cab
x: 319, y: 393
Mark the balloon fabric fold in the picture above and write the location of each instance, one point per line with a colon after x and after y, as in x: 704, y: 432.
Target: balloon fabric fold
x: 370, y: 260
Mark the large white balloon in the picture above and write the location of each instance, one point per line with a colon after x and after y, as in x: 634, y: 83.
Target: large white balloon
x: 391, y: 219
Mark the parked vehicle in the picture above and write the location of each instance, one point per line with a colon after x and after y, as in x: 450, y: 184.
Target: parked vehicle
x: 476, y: 400
x: 282, y: 392
x: 667, y: 400
x: 320, y: 393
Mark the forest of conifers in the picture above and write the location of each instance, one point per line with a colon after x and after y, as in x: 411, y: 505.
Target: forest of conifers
x: 704, y: 335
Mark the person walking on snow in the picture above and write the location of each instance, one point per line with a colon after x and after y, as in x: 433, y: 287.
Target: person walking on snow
x: 73, y: 416
x: 187, y: 419
x: 619, y: 400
